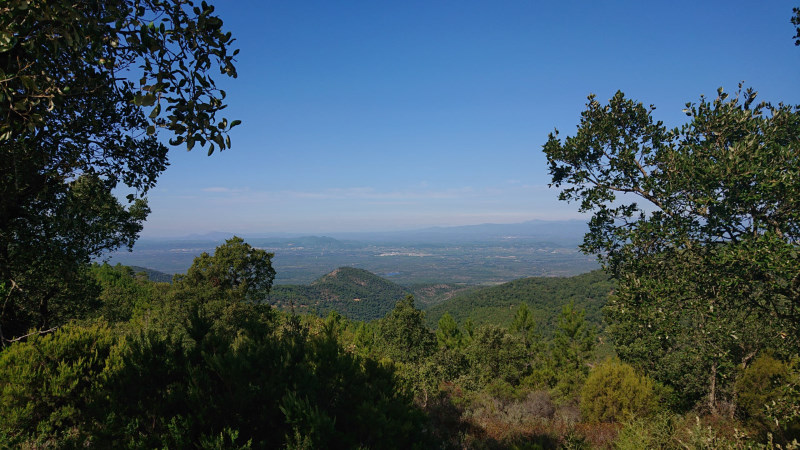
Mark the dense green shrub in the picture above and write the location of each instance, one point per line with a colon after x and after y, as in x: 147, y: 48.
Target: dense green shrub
x: 767, y: 397
x: 123, y: 293
x: 758, y: 385
x: 402, y: 334
x: 51, y: 386
x: 267, y: 383
x: 614, y: 392
x: 496, y: 355
x: 785, y: 410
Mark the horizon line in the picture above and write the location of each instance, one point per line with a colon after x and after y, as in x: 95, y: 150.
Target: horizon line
x: 266, y: 234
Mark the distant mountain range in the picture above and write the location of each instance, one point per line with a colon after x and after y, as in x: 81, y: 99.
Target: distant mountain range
x: 569, y: 232
x: 556, y: 231
x: 219, y: 237
x: 475, y: 254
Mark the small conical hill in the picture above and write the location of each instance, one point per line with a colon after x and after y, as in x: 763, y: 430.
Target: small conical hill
x: 354, y: 293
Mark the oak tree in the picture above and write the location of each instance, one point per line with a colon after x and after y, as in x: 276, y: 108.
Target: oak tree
x: 235, y: 272
x: 85, y: 90
x: 699, y: 225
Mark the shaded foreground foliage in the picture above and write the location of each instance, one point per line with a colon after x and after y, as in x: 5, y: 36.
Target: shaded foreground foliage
x: 213, y: 373
x: 85, y: 89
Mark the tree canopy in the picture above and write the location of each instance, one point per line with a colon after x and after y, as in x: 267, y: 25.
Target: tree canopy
x: 142, y: 53
x: 796, y: 23
x: 236, y: 271
x: 85, y: 89
x: 699, y: 225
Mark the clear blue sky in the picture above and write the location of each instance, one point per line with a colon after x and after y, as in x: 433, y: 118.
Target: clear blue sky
x: 372, y: 115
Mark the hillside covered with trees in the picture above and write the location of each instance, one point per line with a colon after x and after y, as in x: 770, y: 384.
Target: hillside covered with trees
x: 544, y: 296
x: 354, y: 293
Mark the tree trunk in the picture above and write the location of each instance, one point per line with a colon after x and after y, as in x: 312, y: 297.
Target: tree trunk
x: 712, y: 393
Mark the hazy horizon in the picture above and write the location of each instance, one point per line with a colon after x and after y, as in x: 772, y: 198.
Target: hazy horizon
x: 342, y: 232
x: 477, y: 253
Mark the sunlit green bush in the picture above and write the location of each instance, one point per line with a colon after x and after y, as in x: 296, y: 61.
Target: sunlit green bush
x: 768, y: 397
x: 614, y: 392
x: 51, y: 387
x: 759, y: 385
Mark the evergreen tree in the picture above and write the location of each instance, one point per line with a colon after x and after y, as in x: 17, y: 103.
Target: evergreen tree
x: 572, y: 347
x: 403, y: 334
x: 447, y: 334
x: 525, y: 326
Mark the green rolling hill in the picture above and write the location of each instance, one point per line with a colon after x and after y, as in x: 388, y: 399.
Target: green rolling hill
x: 354, y: 293
x: 362, y: 295
x: 153, y: 275
x: 545, y: 297
x: 426, y: 295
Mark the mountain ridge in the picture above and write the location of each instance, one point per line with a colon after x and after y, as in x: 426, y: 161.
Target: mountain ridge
x: 545, y: 296
x: 572, y: 228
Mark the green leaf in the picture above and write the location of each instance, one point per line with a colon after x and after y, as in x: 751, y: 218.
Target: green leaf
x: 156, y: 111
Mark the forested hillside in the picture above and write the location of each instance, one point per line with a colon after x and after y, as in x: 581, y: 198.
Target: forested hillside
x: 354, y: 293
x: 545, y: 296
x: 361, y: 295
x: 153, y: 275
x: 430, y: 294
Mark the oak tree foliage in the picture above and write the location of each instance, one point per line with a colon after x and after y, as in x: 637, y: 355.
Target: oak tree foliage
x: 85, y: 89
x: 236, y: 271
x: 700, y: 226
x: 796, y: 23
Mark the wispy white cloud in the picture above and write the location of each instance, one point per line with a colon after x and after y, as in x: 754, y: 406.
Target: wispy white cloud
x: 221, y: 190
x: 419, y: 193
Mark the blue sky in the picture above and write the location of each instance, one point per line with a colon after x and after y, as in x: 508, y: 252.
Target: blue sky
x: 373, y: 116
